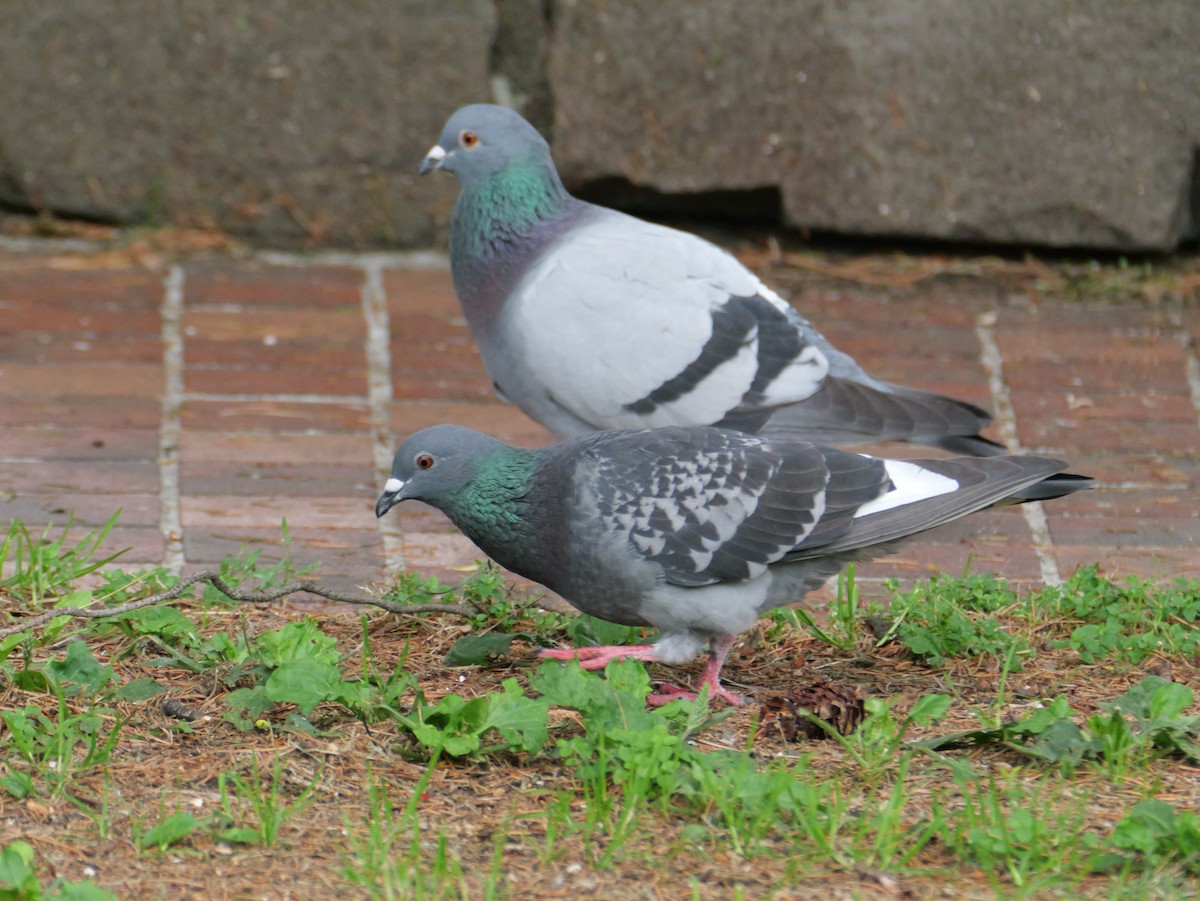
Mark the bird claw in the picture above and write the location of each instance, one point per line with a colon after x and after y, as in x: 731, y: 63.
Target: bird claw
x: 667, y: 693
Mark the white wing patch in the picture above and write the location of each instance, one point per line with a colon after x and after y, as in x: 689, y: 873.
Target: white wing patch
x: 912, y: 484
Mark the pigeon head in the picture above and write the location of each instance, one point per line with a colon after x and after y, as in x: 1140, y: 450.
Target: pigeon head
x: 483, y: 139
x: 436, y: 464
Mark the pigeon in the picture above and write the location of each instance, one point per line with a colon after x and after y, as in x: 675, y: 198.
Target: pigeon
x: 692, y: 530
x: 591, y: 319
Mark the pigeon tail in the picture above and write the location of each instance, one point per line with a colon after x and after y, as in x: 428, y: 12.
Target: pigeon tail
x: 982, y: 482
x: 1059, y: 485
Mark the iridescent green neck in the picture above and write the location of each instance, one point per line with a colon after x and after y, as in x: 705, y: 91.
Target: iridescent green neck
x: 507, y: 206
x: 494, y: 508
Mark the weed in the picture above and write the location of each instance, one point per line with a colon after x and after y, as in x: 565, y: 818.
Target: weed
x: 1144, y: 723
x: 294, y: 664
x: 1127, y: 622
x: 941, y: 618
x: 457, y: 726
x: 843, y: 629
x: 62, y: 743
x: 991, y: 717
x: 168, y: 831
x: 19, y: 882
x: 245, y: 568
x: 387, y: 856
x: 119, y: 586
x: 1154, y: 834
x: 45, y: 567
x: 874, y: 745
x: 98, y: 811
x: 263, y: 797
x: 1002, y: 827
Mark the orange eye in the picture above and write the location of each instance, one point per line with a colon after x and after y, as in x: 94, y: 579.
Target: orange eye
x: 468, y: 139
x: 424, y: 461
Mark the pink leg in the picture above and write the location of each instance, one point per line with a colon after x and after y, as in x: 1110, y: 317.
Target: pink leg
x: 710, y: 678
x: 600, y: 657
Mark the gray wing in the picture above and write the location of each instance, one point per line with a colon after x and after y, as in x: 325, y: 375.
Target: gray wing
x: 626, y: 324
x: 708, y: 505
x: 924, y: 494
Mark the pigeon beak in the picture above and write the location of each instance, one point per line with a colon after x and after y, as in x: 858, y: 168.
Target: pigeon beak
x: 390, y: 497
x: 433, y: 159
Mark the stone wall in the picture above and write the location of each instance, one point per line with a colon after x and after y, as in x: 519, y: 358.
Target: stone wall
x: 1044, y: 122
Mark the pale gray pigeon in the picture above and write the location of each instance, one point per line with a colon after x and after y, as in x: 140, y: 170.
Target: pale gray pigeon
x: 591, y: 319
x: 693, y: 530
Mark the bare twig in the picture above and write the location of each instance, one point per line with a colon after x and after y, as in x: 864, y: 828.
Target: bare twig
x: 249, y: 597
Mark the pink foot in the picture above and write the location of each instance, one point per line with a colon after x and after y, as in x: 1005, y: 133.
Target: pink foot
x: 600, y: 657
x: 710, y: 677
x: 668, y: 693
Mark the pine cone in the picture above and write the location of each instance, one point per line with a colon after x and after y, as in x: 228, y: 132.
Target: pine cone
x: 839, y: 706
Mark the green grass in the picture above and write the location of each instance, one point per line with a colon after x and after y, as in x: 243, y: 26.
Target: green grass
x: 385, y: 856
x: 903, y: 794
x: 19, y: 880
x: 44, y: 567
x: 255, y: 807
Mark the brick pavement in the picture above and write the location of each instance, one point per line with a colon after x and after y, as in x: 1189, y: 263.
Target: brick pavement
x: 212, y: 399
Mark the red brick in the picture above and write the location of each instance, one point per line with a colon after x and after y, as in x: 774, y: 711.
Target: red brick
x: 1096, y: 346
x: 1106, y: 501
x: 84, y: 444
x: 86, y: 510
x: 266, y: 513
x: 269, y: 448
x: 338, y: 552
x: 1089, y: 405
x: 81, y: 379
x: 67, y: 322
x: 1143, y: 562
x: 246, y: 465
x: 421, y: 292
x: 235, y: 416
x: 940, y: 344
x: 1136, y: 436
x: 1151, y: 467
x: 253, y: 477
x: 824, y: 308
x: 429, y: 330
x: 301, y: 352
x: 344, y: 325
x: 66, y: 480
x: 1084, y: 377
x: 46, y: 348
x: 43, y: 281
x: 1181, y: 530
x: 143, y: 548
x: 285, y: 380
x: 265, y: 285
x: 100, y: 412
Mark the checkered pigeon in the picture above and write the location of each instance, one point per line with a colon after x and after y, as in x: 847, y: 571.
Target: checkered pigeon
x: 695, y: 531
